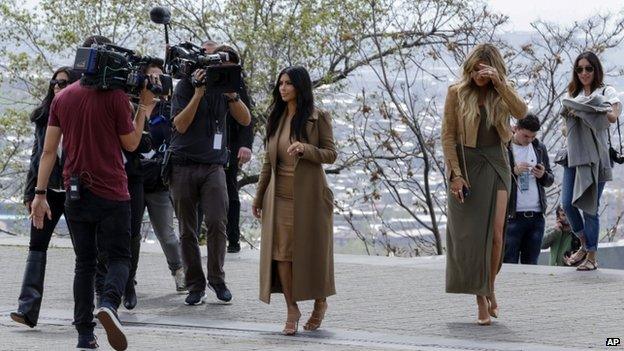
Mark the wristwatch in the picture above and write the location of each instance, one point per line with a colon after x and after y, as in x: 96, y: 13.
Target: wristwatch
x: 40, y: 191
x: 233, y: 99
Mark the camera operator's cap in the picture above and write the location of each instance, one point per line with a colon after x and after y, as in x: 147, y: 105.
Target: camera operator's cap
x: 95, y: 39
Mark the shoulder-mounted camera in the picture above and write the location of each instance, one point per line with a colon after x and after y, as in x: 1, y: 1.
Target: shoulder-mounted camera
x: 185, y: 58
x: 109, y: 66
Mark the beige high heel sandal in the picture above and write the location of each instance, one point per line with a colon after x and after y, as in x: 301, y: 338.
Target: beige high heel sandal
x: 492, y: 311
x: 486, y: 321
x: 292, y: 324
x: 317, y: 317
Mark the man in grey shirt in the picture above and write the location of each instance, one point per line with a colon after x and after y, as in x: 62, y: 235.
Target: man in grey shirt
x: 199, y: 152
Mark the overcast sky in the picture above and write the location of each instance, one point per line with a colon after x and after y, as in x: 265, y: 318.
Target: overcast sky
x: 522, y: 12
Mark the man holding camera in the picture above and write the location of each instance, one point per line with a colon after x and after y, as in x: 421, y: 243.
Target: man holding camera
x: 199, y: 153
x: 528, y: 158
x: 95, y: 127
x: 240, y: 141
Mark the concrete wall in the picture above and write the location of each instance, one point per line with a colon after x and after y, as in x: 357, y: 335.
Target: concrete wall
x: 610, y: 255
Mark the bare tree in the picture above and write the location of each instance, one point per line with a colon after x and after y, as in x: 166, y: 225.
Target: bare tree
x: 397, y: 125
x: 396, y: 129
x: 407, y: 52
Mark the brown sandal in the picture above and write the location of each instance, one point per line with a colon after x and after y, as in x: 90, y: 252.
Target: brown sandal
x: 317, y: 316
x: 577, y: 257
x: 587, y: 265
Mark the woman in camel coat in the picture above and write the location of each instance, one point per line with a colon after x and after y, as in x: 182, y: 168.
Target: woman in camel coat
x: 296, y: 256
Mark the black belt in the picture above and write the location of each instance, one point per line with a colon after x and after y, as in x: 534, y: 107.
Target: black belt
x: 528, y: 214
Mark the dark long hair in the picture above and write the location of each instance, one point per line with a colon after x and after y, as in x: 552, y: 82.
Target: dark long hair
x: 41, y: 112
x: 575, y: 86
x: 300, y: 79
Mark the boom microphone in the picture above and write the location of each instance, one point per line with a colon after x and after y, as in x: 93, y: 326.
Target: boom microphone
x: 160, y: 15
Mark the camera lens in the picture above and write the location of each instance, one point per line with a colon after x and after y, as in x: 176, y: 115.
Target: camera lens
x: 155, y: 88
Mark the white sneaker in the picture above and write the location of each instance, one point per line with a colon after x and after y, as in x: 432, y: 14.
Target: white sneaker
x: 180, y: 281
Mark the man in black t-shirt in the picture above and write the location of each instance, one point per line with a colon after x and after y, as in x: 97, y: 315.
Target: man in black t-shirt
x: 240, y: 141
x: 199, y: 153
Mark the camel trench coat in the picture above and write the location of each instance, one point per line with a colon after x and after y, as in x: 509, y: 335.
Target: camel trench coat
x: 313, y: 254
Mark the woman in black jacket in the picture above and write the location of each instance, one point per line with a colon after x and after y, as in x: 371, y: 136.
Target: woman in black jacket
x: 32, y: 285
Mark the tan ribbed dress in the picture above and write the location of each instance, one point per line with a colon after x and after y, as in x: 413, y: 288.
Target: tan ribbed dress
x: 283, y: 236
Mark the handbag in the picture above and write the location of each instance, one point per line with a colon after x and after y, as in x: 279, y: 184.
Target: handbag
x: 561, y: 157
x: 614, y: 155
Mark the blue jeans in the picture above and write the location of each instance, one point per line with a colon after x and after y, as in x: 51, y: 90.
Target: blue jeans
x: 160, y: 210
x: 98, y: 225
x: 523, y: 239
x: 585, y: 225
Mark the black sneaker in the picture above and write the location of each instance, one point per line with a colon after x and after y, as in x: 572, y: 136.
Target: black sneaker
x: 129, y: 297
x: 233, y: 248
x: 114, y: 332
x: 195, y: 298
x: 87, y: 342
x: 223, y: 293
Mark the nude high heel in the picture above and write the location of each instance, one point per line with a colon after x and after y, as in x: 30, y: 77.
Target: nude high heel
x: 486, y: 321
x: 292, y: 324
x: 317, y: 316
x: 492, y: 311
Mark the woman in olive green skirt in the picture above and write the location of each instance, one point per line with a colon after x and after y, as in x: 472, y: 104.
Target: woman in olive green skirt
x: 474, y: 131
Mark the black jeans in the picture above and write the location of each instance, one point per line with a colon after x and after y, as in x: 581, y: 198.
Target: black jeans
x: 523, y: 239
x: 98, y: 225
x: 233, y: 215
x: 137, y: 202
x: 40, y: 238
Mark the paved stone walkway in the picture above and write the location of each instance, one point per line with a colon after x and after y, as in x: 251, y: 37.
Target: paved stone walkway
x: 382, y: 303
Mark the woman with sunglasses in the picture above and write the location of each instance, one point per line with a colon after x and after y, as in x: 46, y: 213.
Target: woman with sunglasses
x: 32, y: 285
x: 586, y: 84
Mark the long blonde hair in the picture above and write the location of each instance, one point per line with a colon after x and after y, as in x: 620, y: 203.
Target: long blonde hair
x: 468, y: 92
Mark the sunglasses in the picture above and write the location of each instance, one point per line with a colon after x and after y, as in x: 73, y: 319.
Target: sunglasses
x: 580, y: 69
x: 62, y: 83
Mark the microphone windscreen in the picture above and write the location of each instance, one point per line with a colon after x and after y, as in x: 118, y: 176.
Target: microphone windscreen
x: 160, y: 15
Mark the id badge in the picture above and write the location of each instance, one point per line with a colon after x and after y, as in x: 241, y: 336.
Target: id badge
x: 218, y: 139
